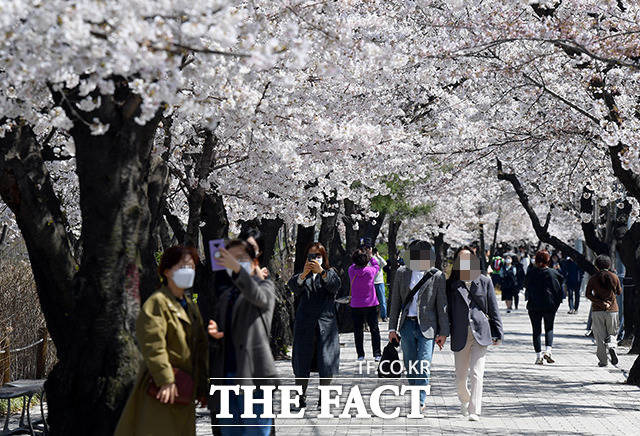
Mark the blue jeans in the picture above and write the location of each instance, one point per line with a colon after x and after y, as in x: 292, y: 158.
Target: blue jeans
x: 382, y: 299
x: 415, y: 347
x: 241, y: 425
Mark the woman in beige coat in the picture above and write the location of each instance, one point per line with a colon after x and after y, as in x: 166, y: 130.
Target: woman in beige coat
x: 171, y: 336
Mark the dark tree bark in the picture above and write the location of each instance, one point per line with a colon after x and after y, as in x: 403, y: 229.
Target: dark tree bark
x: 352, y: 235
x: 589, y: 229
x: 492, y: 250
x: 270, y: 228
x: 483, y: 251
x: 543, y: 231
x: 328, y: 225
x: 90, y: 313
x: 304, y: 237
x: 438, y: 245
x: 3, y: 235
x: 176, y: 226
x: 394, y: 227
x: 157, y: 190
x: 198, y: 193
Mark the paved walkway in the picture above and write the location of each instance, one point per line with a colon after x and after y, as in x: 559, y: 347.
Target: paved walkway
x: 572, y: 396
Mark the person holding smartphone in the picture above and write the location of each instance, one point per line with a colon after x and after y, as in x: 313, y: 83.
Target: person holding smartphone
x: 475, y: 324
x: 419, y: 312
x: 315, y: 331
x: 241, y: 353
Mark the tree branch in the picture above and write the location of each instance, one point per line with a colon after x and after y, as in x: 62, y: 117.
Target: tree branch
x: 542, y: 231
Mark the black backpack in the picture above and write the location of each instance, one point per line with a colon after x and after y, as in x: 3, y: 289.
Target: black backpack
x: 387, y: 368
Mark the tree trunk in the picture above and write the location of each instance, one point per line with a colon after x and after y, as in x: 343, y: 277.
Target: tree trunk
x: 304, y: 237
x: 438, y: 245
x: 90, y: 313
x: 492, y: 250
x: 542, y: 231
x: 198, y: 193
x: 394, y: 226
x: 270, y: 229
x: 483, y: 251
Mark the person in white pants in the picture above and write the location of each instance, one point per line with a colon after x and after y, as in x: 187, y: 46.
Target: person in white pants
x: 475, y: 324
x: 470, y: 368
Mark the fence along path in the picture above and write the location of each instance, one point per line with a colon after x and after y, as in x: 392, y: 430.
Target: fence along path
x: 41, y: 352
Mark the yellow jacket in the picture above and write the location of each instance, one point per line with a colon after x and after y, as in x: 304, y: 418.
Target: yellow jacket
x: 169, y: 337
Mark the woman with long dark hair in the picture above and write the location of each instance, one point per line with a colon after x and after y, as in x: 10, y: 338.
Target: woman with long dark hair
x: 315, y: 331
x: 602, y: 289
x: 544, y: 294
x: 475, y: 324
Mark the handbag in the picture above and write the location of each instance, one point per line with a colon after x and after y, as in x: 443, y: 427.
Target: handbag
x: 472, y: 297
x: 387, y: 368
x: 184, y: 383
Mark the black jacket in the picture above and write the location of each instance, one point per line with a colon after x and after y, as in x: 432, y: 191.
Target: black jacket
x: 544, y: 289
x: 315, y: 332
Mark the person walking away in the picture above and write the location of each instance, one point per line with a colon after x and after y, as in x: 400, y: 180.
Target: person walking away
x: 378, y: 282
x: 173, y: 343
x: 419, y: 313
x: 520, y: 275
x: 525, y: 260
x: 573, y: 277
x: 364, y: 302
x: 241, y: 329
x: 508, y: 282
x: 475, y: 324
x: 544, y: 295
x: 602, y: 289
x: 315, y: 330
x: 494, y: 270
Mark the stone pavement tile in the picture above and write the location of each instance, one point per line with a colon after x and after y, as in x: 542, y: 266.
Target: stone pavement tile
x: 572, y: 396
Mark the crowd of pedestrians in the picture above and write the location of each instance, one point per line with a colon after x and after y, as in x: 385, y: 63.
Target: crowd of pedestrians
x: 184, y: 344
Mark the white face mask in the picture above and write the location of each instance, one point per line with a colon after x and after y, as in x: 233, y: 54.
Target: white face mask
x: 183, y: 277
x: 465, y: 264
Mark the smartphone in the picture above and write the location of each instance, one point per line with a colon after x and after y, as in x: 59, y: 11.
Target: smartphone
x: 214, y: 252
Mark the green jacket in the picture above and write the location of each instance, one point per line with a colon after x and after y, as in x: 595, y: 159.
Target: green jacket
x: 169, y: 337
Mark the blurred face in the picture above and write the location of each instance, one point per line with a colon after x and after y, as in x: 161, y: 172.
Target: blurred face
x: 315, y: 254
x: 468, y: 265
x: 420, y: 260
x: 240, y: 254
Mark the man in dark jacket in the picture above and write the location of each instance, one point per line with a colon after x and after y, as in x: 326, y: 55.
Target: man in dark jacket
x: 573, y: 278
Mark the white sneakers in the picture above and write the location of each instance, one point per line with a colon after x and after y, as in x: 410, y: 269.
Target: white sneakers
x: 465, y: 409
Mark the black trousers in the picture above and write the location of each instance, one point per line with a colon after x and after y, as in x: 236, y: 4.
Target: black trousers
x: 574, y: 298
x: 536, y: 323
x: 370, y: 315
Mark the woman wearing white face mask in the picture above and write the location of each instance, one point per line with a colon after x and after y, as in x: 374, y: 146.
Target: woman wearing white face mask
x: 172, y: 339
x: 241, y: 328
x: 315, y: 333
